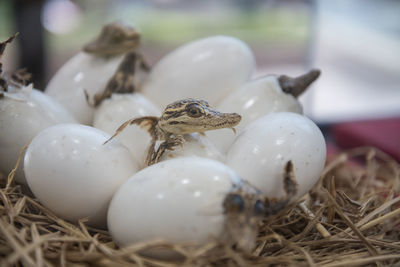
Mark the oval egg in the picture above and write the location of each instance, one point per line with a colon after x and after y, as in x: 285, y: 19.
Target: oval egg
x: 23, y: 114
x: 83, y: 72
x: 72, y: 173
x: 179, y: 200
x: 206, y: 69
x: 122, y: 107
x: 253, y: 100
x: 195, y: 145
x: 261, y: 151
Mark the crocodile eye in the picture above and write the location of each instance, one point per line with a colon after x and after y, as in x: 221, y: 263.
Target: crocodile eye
x: 234, y: 203
x: 259, y: 208
x: 118, y: 36
x: 194, y: 111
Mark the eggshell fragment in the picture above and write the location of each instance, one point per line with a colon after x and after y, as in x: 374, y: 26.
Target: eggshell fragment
x: 179, y: 200
x: 82, y: 72
x: 72, y: 173
x: 253, y: 100
x: 122, y: 107
x: 23, y: 114
x: 195, y: 145
x: 261, y: 151
x: 205, y: 69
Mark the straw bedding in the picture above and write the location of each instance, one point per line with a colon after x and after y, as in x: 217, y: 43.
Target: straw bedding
x: 350, y: 218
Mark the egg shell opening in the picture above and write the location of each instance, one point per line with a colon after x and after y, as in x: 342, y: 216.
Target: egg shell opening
x: 120, y: 108
x: 255, y: 99
x: 195, y: 145
x: 83, y: 72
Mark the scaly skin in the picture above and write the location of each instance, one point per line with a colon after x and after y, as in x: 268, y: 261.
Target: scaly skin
x: 297, y: 85
x: 181, y: 117
x: 114, y: 39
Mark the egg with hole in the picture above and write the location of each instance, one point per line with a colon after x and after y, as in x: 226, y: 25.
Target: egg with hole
x: 206, y: 69
x: 24, y: 112
x: 83, y: 72
x: 72, y: 173
x: 120, y: 108
x: 260, y: 97
x: 195, y: 145
x: 261, y: 151
x: 252, y: 101
x: 178, y: 200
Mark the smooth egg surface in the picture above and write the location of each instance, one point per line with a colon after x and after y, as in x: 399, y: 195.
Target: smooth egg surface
x: 120, y: 108
x: 83, y: 72
x: 71, y: 171
x: 206, y: 69
x: 261, y: 151
x: 23, y: 114
x: 178, y: 200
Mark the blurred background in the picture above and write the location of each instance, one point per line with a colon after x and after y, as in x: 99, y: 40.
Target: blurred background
x: 356, y: 44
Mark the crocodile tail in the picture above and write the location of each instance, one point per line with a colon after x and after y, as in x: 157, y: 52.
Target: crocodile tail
x: 289, y: 180
x: 148, y: 123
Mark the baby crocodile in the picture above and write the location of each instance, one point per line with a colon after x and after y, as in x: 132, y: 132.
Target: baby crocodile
x: 114, y: 39
x: 181, y: 117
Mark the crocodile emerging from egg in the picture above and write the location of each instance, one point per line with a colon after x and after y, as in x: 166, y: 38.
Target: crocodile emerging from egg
x: 180, y: 117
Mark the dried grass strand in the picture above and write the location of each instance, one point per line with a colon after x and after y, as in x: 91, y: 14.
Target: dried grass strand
x: 362, y: 261
x: 10, y: 178
x: 336, y: 225
x: 371, y: 249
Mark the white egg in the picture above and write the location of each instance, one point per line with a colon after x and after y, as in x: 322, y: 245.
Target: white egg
x: 195, y: 145
x: 252, y: 101
x: 179, y: 200
x: 23, y: 114
x: 261, y: 151
x: 118, y: 109
x: 82, y: 72
x: 205, y: 69
x: 72, y: 173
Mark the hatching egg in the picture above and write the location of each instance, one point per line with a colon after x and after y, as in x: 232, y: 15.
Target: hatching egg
x: 206, y: 69
x: 122, y: 107
x: 24, y: 113
x: 252, y: 101
x: 261, y: 151
x: 195, y: 145
x: 178, y: 200
x: 72, y: 173
x: 83, y: 72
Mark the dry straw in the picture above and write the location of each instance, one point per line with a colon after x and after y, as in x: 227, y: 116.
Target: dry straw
x: 350, y: 218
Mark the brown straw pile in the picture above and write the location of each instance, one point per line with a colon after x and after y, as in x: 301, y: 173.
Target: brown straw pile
x: 350, y: 218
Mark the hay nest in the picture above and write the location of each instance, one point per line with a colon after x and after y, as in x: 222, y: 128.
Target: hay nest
x: 350, y: 218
